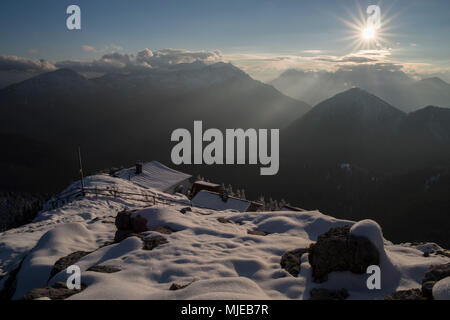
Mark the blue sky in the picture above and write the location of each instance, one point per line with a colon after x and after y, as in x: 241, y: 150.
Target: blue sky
x: 245, y: 32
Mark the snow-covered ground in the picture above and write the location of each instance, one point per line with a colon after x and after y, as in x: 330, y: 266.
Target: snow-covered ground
x: 219, y: 260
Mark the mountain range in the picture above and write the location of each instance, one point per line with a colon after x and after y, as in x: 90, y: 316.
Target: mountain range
x: 353, y: 155
x: 393, y: 86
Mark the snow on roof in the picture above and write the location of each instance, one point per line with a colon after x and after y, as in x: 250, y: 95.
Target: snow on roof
x: 205, y: 183
x: 154, y: 175
x: 212, y: 200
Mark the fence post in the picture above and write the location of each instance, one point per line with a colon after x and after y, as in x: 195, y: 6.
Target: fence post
x: 81, y: 171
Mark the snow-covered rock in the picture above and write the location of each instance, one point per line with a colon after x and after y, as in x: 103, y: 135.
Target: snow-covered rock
x: 441, y: 290
x: 370, y: 230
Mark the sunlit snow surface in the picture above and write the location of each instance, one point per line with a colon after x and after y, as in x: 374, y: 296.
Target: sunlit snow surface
x: 221, y: 260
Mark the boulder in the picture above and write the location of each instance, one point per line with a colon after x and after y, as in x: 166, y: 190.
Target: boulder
x: 103, y: 269
x: 186, y: 209
x: 123, y: 220
x: 427, y: 289
x: 338, y: 250
x: 441, y: 290
x: 436, y: 273
x: 58, y: 291
x: 411, y: 294
x: 257, y: 232
x: 129, y: 225
x: 223, y: 220
x: 291, y: 260
x: 138, y: 223
x: 152, y: 242
x: 432, y: 276
x: 178, y: 286
x: 64, y: 262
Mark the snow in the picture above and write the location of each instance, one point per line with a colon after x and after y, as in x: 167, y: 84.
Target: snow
x: 154, y: 175
x: 217, y: 260
x: 211, y: 200
x: 441, y: 290
x: 370, y: 230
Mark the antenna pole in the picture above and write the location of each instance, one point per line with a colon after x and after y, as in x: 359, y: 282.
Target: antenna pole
x: 81, y: 170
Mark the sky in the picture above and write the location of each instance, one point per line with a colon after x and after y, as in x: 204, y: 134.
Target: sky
x: 262, y: 37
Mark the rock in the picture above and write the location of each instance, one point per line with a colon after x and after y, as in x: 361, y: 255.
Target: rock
x: 103, y: 269
x: 184, y: 210
x: 436, y: 273
x: 58, y: 291
x: 338, y: 250
x: 139, y: 224
x: 443, y: 252
x: 153, y: 242
x: 257, y: 232
x: 177, y: 286
x: 325, y: 294
x: 441, y: 290
x: 123, y: 234
x: 291, y: 260
x: 411, y: 294
x: 427, y: 289
x: 66, y: 261
x: 10, y: 283
x: 123, y: 220
x: 223, y: 220
x: 164, y: 230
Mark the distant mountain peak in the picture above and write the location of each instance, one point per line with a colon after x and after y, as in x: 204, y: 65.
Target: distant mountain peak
x: 434, y: 80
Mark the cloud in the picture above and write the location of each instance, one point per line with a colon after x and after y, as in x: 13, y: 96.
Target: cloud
x: 87, y: 48
x: 144, y: 59
x: 15, y: 63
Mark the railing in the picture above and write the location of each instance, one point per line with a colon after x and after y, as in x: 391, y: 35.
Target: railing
x: 149, y: 199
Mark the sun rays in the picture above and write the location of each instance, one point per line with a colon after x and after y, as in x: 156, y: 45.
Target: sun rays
x: 364, y: 35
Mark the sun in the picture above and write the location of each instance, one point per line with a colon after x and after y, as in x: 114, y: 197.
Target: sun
x: 369, y: 33
x: 362, y: 35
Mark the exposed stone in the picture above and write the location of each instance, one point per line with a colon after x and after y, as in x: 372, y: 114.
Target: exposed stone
x: 139, y: 224
x: 338, y: 250
x: 66, y: 261
x: 427, y: 289
x: 58, y: 291
x: 186, y: 209
x: 123, y: 220
x: 291, y: 260
x: 411, y: 294
x: 10, y: 284
x: 103, y: 269
x: 153, y: 242
x: 257, y: 232
x: 123, y: 234
x: 178, y: 286
x: 223, y: 220
x: 436, y: 273
x: 164, y: 230
x: 325, y: 294
x: 443, y: 252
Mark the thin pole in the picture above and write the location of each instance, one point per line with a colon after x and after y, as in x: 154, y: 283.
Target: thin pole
x: 81, y: 170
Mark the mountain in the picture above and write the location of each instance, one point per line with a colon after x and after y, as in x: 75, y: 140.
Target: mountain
x: 430, y: 124
x: 393, y: 86
x: 432, y: 91
x: 351, y: 127
x: 119, y: 118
